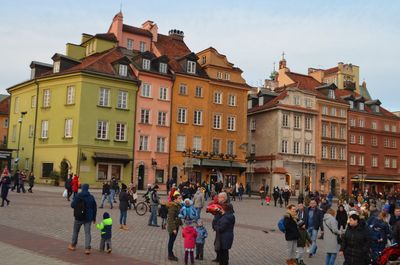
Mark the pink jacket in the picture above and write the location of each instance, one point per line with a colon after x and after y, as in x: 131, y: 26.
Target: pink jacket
x: 189, y: 234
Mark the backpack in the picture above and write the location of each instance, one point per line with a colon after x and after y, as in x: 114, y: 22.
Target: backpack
x: 80, y: 210
x: 281, y: 225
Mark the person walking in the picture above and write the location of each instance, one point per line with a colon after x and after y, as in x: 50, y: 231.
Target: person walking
x: 241, y: 191
x: 75, y: 185
x: 275, y: 195
x: 16, y: 178
x: 22, y: 179
x: 123, y: 206
x: 173, y: 223
x: 31, y: 182
x: 314, y: 223
x: 302, y: 242
x: 68, y: 186
x: 331, y: 234
x: 114, y: 187
x: 291, y: 233
x: 356, y: 243
x: 261, y: 191
x: 5, y: 186
x: 106, y: 195
x: 85, y: 211
x: 198, y: 201
x: 379, y: 232
x: 154, y: 202
x: 341, y: 218
x: 105, y: 228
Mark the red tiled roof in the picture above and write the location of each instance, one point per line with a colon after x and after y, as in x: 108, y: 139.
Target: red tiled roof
x: 173, y: 48
x: 272, y: 103
x: 303, y: 81
x: 332, y: 70
x: 280, y: 170
x: 135, y: 30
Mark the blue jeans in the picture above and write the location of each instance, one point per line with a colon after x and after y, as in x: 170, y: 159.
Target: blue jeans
x: 122, y: 217
x: 77, y: 228
x: 330, y: 258
x: 153, y: 215
x: 313, y: 234
x: 105, y: 197
x: 198, y: 211
x: 112, y: 194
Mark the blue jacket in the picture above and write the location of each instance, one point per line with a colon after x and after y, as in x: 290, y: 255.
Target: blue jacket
x: 188, y: 213
x: 201, y: 235
x: 223, y: 226
x: 105, y: 226
x: 90, y: 203
x: 317, y: 219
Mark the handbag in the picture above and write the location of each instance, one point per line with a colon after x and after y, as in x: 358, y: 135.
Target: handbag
x: 65, y: 193
x: 338, y: 237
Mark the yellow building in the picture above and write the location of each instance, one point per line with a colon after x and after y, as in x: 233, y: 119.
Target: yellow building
x: 80, y: 109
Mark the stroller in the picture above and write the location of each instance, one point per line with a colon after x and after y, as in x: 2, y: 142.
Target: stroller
x: 389, y: 255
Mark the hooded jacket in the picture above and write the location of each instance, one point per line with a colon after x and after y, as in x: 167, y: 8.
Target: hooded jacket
x: 173, y: 221
x: 105, y: 226
x: 188, y: 212
x: 90, y: 203
x: 189, y: 235
x: 201, y: 234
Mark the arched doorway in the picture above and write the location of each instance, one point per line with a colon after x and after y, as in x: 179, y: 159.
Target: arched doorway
x: 141, y: 177
x: 175, y: 174
x: 333, y: 186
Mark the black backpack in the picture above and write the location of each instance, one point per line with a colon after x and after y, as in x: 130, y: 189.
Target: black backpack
x: 80, y: 210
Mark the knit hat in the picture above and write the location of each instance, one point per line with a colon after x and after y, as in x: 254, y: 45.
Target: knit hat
x: 106, y: 215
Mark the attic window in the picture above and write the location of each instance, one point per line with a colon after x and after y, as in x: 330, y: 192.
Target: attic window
x: 331, y: 94
x: 375, y: 108
x: 191, y: 67
x: 33, y: 73
x: 146, y: 64
x: 123, y: 70
x: 56, y: 67
x: 351, y: 103
x: 361, y: 105
x: 163, y: 68
x: 203, y: 60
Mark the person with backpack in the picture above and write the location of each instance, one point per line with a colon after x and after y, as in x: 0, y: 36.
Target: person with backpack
x: 106, y: 195
x: 85, y: 210
x: 154, y: 202
x: 379, y: 233
x: 291, y: 233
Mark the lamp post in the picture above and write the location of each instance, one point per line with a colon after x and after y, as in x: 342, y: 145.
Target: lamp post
x: 310, y: 166
x: 19, y: 137
x: 362, y: 178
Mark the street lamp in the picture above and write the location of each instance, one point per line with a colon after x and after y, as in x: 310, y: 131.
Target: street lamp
x: 362, y: 178
x: 19, y: 136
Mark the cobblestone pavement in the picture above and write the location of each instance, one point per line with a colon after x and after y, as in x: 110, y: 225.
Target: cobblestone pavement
x: 46, y: 214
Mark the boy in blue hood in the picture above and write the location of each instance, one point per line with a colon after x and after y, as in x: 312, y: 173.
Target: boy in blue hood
x: 200, y: 239
x: 105, y: 228
x: 188, y: 212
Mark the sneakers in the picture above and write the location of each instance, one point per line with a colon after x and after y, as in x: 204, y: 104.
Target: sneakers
x: 109, y: 250
x: 71, y: 247
x: 87, y: 251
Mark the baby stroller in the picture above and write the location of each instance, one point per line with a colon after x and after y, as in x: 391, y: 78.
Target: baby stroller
x: 389, y: 255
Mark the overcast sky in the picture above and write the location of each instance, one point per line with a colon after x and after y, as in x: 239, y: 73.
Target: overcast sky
x: 252, y: 34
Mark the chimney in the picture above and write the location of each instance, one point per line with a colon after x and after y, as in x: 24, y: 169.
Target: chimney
x: 116, y: 26
x: 152, y: 27
x: 176, y: 34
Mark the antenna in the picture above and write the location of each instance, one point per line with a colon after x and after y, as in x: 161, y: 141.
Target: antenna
x: 120, y: 7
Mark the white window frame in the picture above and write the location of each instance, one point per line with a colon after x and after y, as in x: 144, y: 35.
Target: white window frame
x: 146, y: 64
x: 46, y: 98
x: 307, y: 148
x: 296, y: 147
x: 353, y: 159
x: 374, y: 140
x: 217, y: 97
x: 374, y: 125
x: 31, y: 131
x: 180, y: 143
x: 197, y: 143
x: 142, y: 46
x: 361, y: 139
x: 56, y: 67
x: 333, y: 112
x: 143, y: 143
x: 230, y: 147
x: 104, y: 97
x: 216, y: 146
x: 123, y: 70
x: 163, y: 93
x: 146, y: 90
x: 308, y: 123
x: 182, y: 115
x: 160, y: 144
x: 324, y: 153
x: 285, y: 120
x: 163, y: 68
x: 217, y: 121
x: 198, y: 92
x: 162, y: 118
x: 68, y: 125
x: 145, y: 116
x: 198, y: 117
x: 183, y: 90
x: 394, y: 163
x: 284, y: 146
x: 102, y: 130
x: 296, y: 100
x: 232, y: 100
x: 33, y: 101
x: 297, y: 122
x: 122, y: 99
x: 191, y: 67
x: 361, y: 160
x: 333, y: 153
x: 70, y: 95
x: 227, y: 76
x: 374, y: 161
x: 331, y: 94
x: 342, y: 153
x: 44, y: 129
x: 333, y: 131
x: 129, y: 44
x: 120, y: 131
x: 387, y: 162
x: 231, y: 123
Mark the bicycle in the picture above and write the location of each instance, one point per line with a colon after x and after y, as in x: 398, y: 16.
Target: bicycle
x: 142, y: 207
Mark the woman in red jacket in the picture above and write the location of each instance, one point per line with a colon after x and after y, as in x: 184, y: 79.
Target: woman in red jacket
x: 75, y: 184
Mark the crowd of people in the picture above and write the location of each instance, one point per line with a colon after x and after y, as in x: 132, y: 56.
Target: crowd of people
x: 15, y: 182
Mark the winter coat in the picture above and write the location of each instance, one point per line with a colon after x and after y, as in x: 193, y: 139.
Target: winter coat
x: 123, y: 201
x: 163, y: 211
x: 304, y: 237
x: 75, y: 184
x: 173, y: 220
x: 379, y: 232
x: 68, y: 183
x: 106, y: 189
x: 31, y: 180
x: 105, y: 228
x: 198, y: 200
x: 188, y: 213
x: 303, y: 215
x: 90, y: 203
x: 291, y: 229
x: 5, y: 186
x: 330, y: 234
x: 189, y: 235
x: 341, y: 218
x: 154, y: 198
x: 223, y: 226
x: 317, y: 219
x: 356, y: 245
x: 201, y: 235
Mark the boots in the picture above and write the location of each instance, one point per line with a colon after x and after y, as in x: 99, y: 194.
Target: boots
x: 291, y: 262
x: 125, y: 227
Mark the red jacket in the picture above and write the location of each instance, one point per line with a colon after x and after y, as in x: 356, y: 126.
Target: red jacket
x: 75, y: 184
x: 189, y: 234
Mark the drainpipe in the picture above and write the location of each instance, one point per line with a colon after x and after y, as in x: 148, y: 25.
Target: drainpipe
x: 170, y: 131
x: 134, y: 130
x: 35, y: 126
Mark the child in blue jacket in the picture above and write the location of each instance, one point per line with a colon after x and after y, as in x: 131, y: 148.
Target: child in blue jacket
x: 105, y: 228
x: 188, y: 212
x: 200, y: 239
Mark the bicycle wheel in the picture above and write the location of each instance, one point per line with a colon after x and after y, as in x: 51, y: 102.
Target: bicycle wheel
x: 141, y: 208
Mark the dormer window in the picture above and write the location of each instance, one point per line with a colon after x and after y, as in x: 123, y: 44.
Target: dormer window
x: 33, y: 73
x: 191, y: 67
x: 375, y: 108
x: 146, y: 64
x: 361, y: 105
x: 203, y: 60
x: 351, y: 103
x: 56, y: 67
x: 163, y: 68
x: 123, y: 70
x: 331, y: 93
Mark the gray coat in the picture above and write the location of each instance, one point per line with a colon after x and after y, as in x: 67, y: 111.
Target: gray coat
x: 330, y: 239
x: 198, y: 200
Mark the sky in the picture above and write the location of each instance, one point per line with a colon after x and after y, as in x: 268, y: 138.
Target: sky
x: 252, y: 34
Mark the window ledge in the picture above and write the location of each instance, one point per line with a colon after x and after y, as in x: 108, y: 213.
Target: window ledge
x: 45, y: 107
x: 161, y: 153
x: 164, y: 100
x: 183, y: 123
x: 122, y: 109
x: 121, y: 141
x: 145, y: 97
x: 68, y: 105
x: 232, y: 131
x: 105, y: 107
x: 198, y: 125
x: 162, y: 126
x: 104, y: 140
x: 43, y: 139
x: 144, y: 151
x: 143, y: 123
x: 183, y: 94
x: 67, y: 138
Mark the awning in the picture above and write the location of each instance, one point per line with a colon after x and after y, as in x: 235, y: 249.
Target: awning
x: 381, y: 179
x: 217, y: 163
x: 108, y: 157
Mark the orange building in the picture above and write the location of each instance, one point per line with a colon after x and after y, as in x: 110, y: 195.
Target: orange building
x: 4, y: 114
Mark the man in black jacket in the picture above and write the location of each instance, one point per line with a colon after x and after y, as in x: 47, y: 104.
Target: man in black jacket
x: 314, y: 223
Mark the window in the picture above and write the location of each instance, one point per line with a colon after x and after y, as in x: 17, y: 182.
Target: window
x: 129, y: 44
x: 374, y: 161
x: 143, y: 143
x: 343, y: 113
x: 102, y: 130
x: 68, y: 128
x: 230, y: 147
x: 33, y: 102
x: 102, y: 172
x: 146, y: 64
x: 160, y: 144
x: 14, y: 133
x: 26, y: 164
x: 387, y: 162
x: 219, y: 75
x: 296, y: 147
x: 331, y: 93
x: 180, y: 143
x: 333, y: 131
x: 394, y: 163
x: 232, y: 100
x: 120, y: 132
x: 47, y: 168
x: 231, y: 124
x: 182, y: 115
x: 145, y: 116
x: 393, y: 143
x: 361, y: 160
x: 324, y: 130
x: 333, y: 111
x: 31, y: 131
x: 252, y: 124
x: 352, y: 122
x: 386, y: 142
x: 375, y: 108
x: 46, y: 98
x: 163, y: 68
x: 197, y: 143
x: 104, y: 97
x: 163, y: 93
x: 374, y: 126
x: 5, y: 123
x: 56, y: 67
x: 162, y: 118
x: 342, y: 132
x: 351, y: 103
x: 216, y: 146
x: 307, y: 148
x: 324, y: 152
x: 217, y: 120
x: 70, y: 95
x: 352, y: 139
x: 217, y: 97
x: 360, y: 105
x: 203, y: 59
x: 361, y: 123
x: 284, y: 146
x: 122, y: 99
x: 342, y: 153
x: 159, y: 176
x: 253, y: 149
x: 183, y: 89
x: 199, y: 92
x: 142, y: 46
x: 394, y: 128
x: 146, y: 90
x: 191, y: 67
x: 352, y: 160
x: 297, y: 121
x: 45, y: 130
x: 308, y: 123
x: 324, y: 110
x: 227, y: 76
x: 285, y: 120
x: 16, y: 105
x: 361, y: 139
x: 387, y: 127
x: 308, y: 102
x: 374, y: 141
x: 123, y: 70
x: 333, y: 152
x: 296, y: 100
x: 198, y: 117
